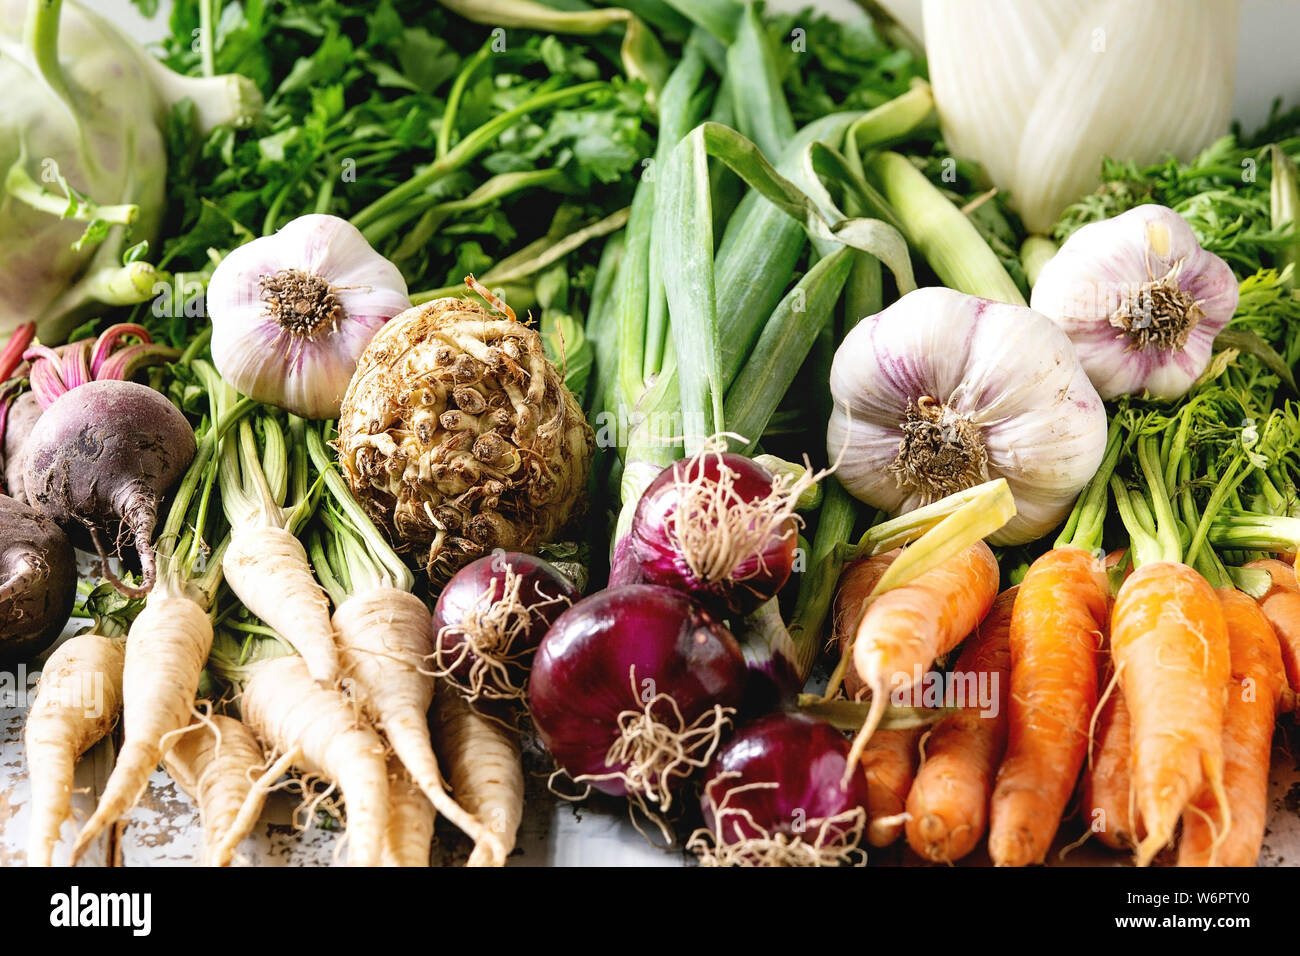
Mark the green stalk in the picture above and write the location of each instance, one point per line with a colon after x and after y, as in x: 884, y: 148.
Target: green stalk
x: 41, y: 37
x: 379, y: 555
x: 762, y: 113
x: 720, y: 17
x: 408, y: 192
x: 1084, y: 527
x: 207, y: 38
x: 1248, y: 530
x: 943, y: 235
x: 456, y: 94
x: 550, y: 252
x: 20, y: 185
x: 1036, y: 252
x: 784, y: 343
x: 496, y: 188
x: 817, y: 586
x: 1284, y: 210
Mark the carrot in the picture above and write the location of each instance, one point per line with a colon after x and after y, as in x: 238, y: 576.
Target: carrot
x: 1056, y: 628
x: 483, y: 763
x: 267, y: 568
x: 165, y: 652
x: 1283, y: 574
x: 889, y: 762
x: 411, y: 819
x: 857, y: 581
x: 216, y: 763
x: 77, y: 702
x: 1254, y: 693
x: 316, y: 729
x: 1170, y: 645
x: 904, y: 630
x: 385, y: 635
x: 947, y: 806
x: 1282, y: 608
x: 1107, y: 783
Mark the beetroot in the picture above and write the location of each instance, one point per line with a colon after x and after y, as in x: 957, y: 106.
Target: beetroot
x: 23, y: 413
x: 38, y: 580
x: 102, y: 457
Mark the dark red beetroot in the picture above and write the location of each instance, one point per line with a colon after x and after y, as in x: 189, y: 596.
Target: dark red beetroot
x: 38, y: 580
x: 490, y: 618
x: 103, y: 456
x: 632, y: 689
x: 19, y: 421
x: 772, y: 796
x: 713, y: 527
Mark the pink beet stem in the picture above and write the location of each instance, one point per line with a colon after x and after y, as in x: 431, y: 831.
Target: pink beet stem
x: 13, y: 351
x: 109, y: 339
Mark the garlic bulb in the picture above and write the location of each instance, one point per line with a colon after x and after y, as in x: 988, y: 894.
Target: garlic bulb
x: 292, y: 313
x: 1140, y: 300
x: 943, y: 390
x: 1040, y: 90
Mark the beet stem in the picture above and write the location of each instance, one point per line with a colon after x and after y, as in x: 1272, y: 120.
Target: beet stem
x: 21, y: 580
x: 146, y: 565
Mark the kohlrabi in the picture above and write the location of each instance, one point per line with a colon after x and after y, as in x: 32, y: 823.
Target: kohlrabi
x: 83, y: 160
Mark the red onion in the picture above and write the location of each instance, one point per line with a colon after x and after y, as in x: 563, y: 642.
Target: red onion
x: 773, y: 797
x: 490, y: 618
x: 632, y: 689
x: 719, y: 527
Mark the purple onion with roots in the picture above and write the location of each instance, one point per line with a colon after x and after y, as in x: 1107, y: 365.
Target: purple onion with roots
x: 490, y: 618
x: 632, y: 690
x: 720, y: 527
x: 773, y: 797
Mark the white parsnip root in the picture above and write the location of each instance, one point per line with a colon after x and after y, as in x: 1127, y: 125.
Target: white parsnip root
x: 216, y: 764
x: 168, y: 644
x: 411, y: 819
x: 483, y: 761
x: 317, y: 729
x: 268, y: 570
x: 385, y: 635
x: 78, y: 700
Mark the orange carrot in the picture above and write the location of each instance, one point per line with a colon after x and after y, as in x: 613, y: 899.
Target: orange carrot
x: 1170, y: 646
x: 904, y: 630
x: 856, y: 583
x: 1107, y: 784
x: 1056, y: 630
x: 1283, y: 574
x: 1282, y: 608
x: 890, y: 765
x: 948, y: 804
x: 1254, y: 693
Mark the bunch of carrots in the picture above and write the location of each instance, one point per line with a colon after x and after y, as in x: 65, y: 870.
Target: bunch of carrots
x: 1146, y: 681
